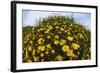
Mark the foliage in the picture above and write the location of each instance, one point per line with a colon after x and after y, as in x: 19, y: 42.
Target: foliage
x: 56, y: 38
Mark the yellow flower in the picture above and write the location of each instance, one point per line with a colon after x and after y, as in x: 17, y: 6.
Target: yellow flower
x: 41, y: 48
x: 38, y: 30
x: 81, y: 36
x: 48, y: 46
x: 60, y: 32
x: 70, y: 28
x: 83, y: 31
x: 65, y: 48
x: 35, y: 58
x: 62, y: 29
x: 68, y: 33
x: 59, y: 58
x: 75, y: 46
x: 48, y: 37
x: 65, y: 31
x: 29, y: 61
x: 42, y: 55
x: 56, y: 42
x: 26, y: 52
x: 47, y: 31
x: 70, y: 53
x: 78, y: 52
x: 62, y: 42
x: 70, y: 38
x: 25, y: 42
x: 57, y: 27
x: 56, y: 37
x: 26, y: 55
x: 40, y: 35
x: 33, y: 52
x: 29, y: 48
x: 43, y: 28
x: 33, y: 38
x: 55, y: 23
x: 50, y: 27
x: 40, y: 41
x: 46, y: 52
x: 31, y: 42
x: 52, y: 51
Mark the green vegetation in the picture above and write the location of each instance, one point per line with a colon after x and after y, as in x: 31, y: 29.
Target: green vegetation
x: 56, y: 38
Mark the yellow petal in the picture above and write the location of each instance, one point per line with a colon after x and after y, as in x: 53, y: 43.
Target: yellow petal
x: 56, y: 42
x: 65, y: 48
x: 75, y: 46
x: 70, y: 38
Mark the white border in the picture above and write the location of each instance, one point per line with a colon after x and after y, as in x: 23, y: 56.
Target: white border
x: 38, y: 65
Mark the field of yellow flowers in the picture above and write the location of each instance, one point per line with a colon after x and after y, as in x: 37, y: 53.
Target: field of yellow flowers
x: 56, y: 38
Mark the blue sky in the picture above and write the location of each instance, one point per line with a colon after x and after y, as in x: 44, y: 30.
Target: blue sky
x: 31, y: 17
